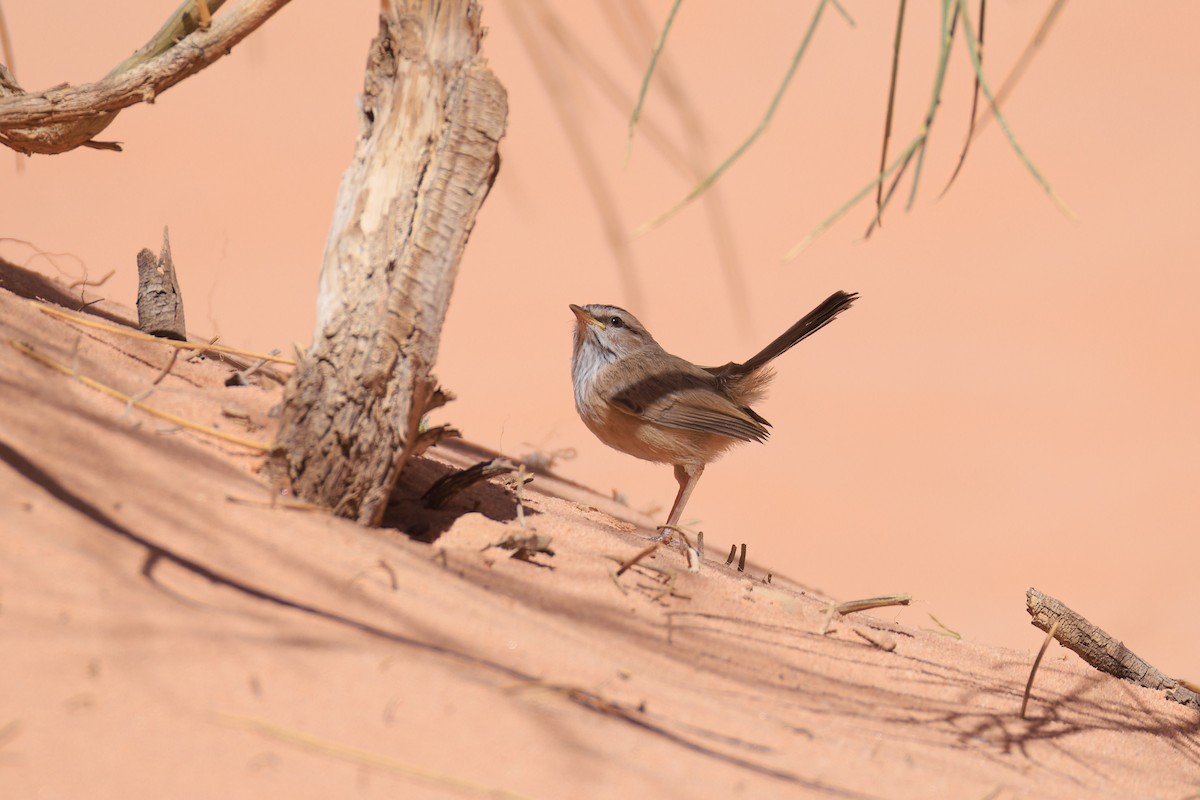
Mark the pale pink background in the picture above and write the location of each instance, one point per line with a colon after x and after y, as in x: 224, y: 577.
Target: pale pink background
x: 1012, y: 402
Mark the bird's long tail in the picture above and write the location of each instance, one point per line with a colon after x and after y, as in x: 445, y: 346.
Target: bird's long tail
x: 812, y: 322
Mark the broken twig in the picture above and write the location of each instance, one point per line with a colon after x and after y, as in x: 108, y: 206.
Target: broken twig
x: 1101, y: 650
x: 854, y: 606
x: 625, y: 565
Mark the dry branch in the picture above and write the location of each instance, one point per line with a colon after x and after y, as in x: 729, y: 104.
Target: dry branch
x: 432, y: 115
x: 65, y: 117
x: 1099, y: 649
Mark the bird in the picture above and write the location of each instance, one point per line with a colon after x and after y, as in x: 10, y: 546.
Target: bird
x: 641, y: 400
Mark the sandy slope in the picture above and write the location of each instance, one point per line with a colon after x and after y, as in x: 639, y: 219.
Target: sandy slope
x: 160, y: 640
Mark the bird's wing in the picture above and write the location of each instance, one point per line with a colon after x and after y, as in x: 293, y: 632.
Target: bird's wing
x: 696, y: 409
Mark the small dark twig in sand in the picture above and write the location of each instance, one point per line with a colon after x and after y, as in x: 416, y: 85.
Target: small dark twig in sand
x: 732, y: 554
x: 885, y: 643
x: 625, y: 565
x: 166, y: 370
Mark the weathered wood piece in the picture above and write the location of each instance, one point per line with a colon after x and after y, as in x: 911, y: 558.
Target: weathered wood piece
x: 159, y: 302
x: 1101, y: 650
x: 432, y: 115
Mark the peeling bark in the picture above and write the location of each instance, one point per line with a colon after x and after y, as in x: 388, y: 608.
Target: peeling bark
x: 431, y: 119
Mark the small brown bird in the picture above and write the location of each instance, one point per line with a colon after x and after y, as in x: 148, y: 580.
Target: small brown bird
x: 641, y: 400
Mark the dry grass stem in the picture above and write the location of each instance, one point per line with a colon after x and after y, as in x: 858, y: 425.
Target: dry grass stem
x: 354, y: 755
x: 943, y: 630
x: 854, y: 606
x: 111, y: 392
x: 145, y: 337
x: 1036, y: 663
x: 85, y: 281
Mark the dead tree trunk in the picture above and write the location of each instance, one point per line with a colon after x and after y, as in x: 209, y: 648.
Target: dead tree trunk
x: 432, y: 116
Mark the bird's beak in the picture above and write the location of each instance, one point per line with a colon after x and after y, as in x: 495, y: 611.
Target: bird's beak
x: 584, y: 317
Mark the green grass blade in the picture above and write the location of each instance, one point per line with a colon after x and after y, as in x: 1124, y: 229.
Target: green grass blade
x: 887, y: 124
x: 745, y: 145
x: 817, y: 231
x: 943, y: 58
x: 845, y: 14
x: 658, y: 47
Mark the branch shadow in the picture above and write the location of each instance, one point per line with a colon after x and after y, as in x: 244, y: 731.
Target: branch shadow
x: 408, y: 511
x: 35, y: 286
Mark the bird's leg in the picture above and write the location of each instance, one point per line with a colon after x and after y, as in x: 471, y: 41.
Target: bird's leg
x: 687, y: 477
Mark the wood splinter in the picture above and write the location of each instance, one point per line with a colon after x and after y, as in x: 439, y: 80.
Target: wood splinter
x: 159, y: 302
x: 1101, y: 650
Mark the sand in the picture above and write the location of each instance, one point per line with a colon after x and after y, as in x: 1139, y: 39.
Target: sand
x: 169, y: 634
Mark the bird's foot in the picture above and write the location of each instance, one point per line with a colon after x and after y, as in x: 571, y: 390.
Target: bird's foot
x: 665, y: 532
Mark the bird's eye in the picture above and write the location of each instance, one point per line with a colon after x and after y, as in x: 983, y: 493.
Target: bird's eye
x: 615, y: 322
